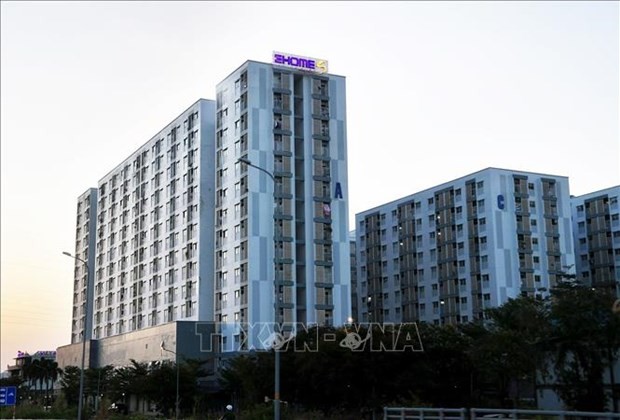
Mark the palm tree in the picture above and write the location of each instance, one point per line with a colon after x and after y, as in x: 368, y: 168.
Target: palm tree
x: 33, y: 373
x: 50, y: 375
x: 139, y: 380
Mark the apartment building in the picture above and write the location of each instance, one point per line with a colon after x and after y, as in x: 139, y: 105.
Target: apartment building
x: 445, y: 254
x: 182, y: 231
x: 281, y: 230
x: 85, y: 235
x: 146, y: 234
x: 154, y: 218
x: 596, y: 230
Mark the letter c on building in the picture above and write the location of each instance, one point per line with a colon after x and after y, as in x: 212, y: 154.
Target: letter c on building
x: 500, y: 202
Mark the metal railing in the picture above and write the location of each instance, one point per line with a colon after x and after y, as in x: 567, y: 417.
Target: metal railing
x: 424, y: 413
x: 486, y: 413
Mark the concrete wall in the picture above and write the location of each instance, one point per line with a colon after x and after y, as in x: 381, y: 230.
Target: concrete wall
x: 188, y: 339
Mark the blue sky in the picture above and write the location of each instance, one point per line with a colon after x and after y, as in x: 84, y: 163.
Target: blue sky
x: 435, y: 90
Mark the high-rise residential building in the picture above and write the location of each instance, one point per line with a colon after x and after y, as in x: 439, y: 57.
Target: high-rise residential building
x: 85, y: 235
x: 285, y: 217
x: 146, y: 233
x: 445, y: 254
x: 192, y: 248
x: 596, y: 230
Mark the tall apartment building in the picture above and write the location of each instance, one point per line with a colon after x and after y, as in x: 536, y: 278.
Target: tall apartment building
x: 154, y: 222
x: 288, y: 221
x: 445, y: 254
x: 596, y: 230
x: 85, y: 235
x: 146, y: 234
x: 182, y: 232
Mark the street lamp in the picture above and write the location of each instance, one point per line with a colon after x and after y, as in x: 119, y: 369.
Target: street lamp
x: 163, y: 348
x: 86, y: 323
x: 441, y: 311
x: 276, y: 392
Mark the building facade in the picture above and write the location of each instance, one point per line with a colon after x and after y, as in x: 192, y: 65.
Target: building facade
x: 354, y: 295
x: 445, y: 254
x: 146, y: 233
x: 85, y: 235
x: 287, y: 220
x: 182, y: 231
x: 596, y: 230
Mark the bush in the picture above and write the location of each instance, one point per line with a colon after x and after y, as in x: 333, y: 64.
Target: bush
x: 37, y: 412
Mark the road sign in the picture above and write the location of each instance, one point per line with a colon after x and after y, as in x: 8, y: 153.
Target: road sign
x: 8, y: 395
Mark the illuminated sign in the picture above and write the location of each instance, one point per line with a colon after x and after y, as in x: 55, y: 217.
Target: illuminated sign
x: 501, y: 202
x: 315, y: 65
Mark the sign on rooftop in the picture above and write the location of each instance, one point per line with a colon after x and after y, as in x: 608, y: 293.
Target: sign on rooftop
x: 298, y: 62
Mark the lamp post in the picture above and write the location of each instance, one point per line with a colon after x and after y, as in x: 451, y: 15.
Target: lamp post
x: 276, y: 392
x: 163, y: 348
x: 441, y: 312
x: 86, y: 323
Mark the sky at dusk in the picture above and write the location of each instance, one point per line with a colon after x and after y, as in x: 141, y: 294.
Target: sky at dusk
x: 435, y: 91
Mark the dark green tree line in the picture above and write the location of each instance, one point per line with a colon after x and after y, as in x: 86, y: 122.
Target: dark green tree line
x: 569, y: 340
x: 150, y: 383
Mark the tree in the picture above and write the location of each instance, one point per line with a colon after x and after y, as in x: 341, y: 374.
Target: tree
x: 585, y: 339
x: 50, y: 375
x: 248, y: 377
x: 96, y: 381
x: 70, y: 384
x: 511, y: 350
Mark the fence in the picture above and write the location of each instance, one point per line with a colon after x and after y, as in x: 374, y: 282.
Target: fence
x: 423, y: 413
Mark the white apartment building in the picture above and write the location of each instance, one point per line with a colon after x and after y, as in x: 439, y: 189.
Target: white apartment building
x: 150, y: 245
x: 182, y: 232
x: 445, y: 254
x: 286, y: 221
x: 85, y: 234
x: 596, y: 230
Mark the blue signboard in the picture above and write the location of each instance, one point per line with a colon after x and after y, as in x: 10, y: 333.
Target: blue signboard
x: 8, y: 395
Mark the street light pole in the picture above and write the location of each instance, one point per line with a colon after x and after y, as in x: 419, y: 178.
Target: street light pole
x: 276, y: 392
x: 163, y: 348
x: 86, y: 315
x: 441, y: 312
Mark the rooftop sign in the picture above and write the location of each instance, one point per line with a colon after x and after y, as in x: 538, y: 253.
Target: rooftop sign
x: 297, y: 62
